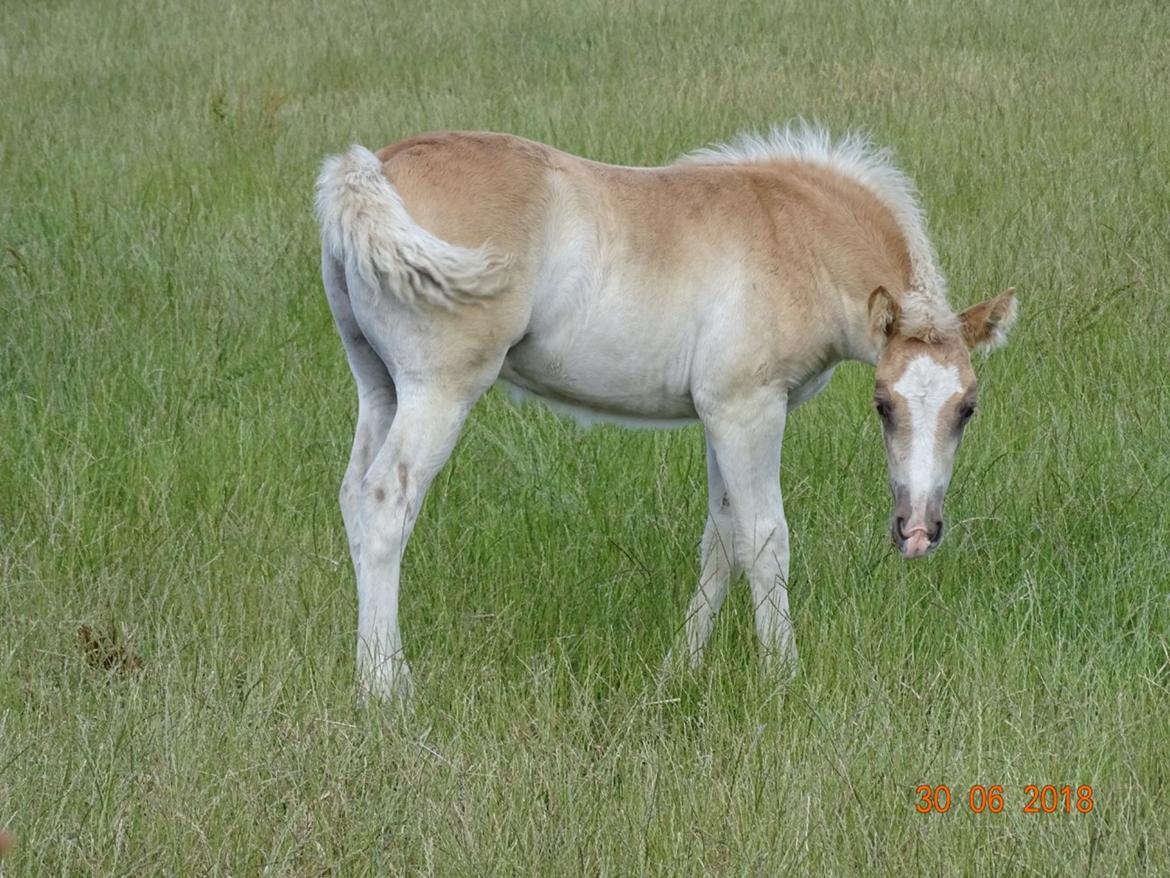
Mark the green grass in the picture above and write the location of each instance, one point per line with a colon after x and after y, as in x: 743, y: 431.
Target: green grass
x: 175, y: 414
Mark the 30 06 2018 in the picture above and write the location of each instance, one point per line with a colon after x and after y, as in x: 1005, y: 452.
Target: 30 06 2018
x: 981, y: 799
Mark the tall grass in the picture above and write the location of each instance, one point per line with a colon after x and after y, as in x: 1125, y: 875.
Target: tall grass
x: 175, y: 413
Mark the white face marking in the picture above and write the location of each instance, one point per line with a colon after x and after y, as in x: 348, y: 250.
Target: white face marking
x: 926, y: 385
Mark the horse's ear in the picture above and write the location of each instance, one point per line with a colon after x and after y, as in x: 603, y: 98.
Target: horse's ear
x: 883, y: 314
x: 986, y: 325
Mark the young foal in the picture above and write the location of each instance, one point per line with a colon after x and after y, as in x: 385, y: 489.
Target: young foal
x: 722, y: 288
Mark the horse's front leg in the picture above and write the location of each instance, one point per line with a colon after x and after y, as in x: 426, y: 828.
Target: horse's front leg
x: 716, y: 567
x: 746, y: 433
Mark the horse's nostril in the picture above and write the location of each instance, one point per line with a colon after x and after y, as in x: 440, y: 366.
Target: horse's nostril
x: 936, y: 535
x: 898, y: 522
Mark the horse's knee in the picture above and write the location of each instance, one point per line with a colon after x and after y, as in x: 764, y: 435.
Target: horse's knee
x: 718, y: 545
x: 764, y: 544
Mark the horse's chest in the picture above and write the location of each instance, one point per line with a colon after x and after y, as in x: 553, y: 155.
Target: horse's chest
x: 806, y: 391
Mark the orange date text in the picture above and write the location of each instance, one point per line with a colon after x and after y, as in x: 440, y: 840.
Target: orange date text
x: 980, y: 799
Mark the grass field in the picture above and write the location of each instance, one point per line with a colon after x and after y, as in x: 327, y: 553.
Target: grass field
x: 175, y: 414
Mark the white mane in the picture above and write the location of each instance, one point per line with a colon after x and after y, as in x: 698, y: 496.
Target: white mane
x: 924, y: 305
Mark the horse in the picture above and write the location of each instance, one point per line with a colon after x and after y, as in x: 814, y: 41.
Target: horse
x: 722, y: 288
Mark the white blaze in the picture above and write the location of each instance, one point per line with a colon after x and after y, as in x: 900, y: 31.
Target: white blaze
x: 926, y: 385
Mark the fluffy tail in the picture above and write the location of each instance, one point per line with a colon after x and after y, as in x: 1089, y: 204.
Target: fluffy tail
x: 364, y: 224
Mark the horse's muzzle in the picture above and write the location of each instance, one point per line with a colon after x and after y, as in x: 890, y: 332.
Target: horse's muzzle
x: 916, y: 540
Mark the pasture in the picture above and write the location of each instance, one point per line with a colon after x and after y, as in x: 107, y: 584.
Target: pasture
x: 176, y: 658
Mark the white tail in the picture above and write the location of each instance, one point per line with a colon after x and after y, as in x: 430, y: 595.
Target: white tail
x: 365, y: 225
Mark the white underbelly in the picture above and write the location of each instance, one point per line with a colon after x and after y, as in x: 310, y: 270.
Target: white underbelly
x: 589, y: 415
x: 601, y: 376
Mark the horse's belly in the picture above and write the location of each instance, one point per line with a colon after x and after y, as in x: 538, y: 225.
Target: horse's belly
x: 624, y: 383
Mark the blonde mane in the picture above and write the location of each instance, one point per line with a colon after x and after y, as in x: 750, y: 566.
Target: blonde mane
x: 925, y: 312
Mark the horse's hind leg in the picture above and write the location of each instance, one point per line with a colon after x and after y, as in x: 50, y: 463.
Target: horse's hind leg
x: 377, y: 401
x: 427, y: 424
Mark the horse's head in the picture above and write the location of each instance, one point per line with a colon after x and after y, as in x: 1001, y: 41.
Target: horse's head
x: 924, y: 395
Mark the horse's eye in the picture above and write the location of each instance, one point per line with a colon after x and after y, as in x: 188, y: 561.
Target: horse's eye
x: 966, y: 412
x: 882, y: 407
